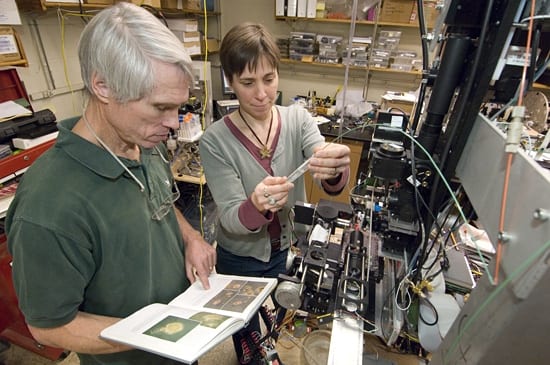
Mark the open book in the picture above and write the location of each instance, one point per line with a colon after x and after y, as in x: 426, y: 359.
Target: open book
x: 194, y: 321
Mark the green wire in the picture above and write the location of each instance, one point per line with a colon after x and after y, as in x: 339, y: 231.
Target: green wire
x: 453, y: 196
x: 442, y: 178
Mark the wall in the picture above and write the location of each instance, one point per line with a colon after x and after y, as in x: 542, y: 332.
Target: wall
x: 324, y: 80
x: 52, y: 79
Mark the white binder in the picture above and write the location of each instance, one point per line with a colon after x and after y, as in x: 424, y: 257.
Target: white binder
x: 291, y: 8
x: 301, y: 11
x: 311, y: 11
x: 280, y: 7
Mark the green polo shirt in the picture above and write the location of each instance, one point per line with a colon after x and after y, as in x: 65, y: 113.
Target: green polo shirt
x: 82, y: 237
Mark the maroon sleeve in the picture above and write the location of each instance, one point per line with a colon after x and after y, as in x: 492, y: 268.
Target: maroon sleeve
x: 251, y: 218
x: 336, y: 185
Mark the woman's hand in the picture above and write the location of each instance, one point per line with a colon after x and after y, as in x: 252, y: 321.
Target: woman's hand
x: 271, y: 194
x: 329, y: 160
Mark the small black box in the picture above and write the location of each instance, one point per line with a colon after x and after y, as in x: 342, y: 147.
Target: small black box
x: 303, y: 213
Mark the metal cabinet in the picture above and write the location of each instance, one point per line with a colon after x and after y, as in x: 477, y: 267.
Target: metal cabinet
x: 13, y: 328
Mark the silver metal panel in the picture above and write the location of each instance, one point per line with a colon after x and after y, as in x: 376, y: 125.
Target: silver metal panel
x: 481, y: 171
x: 506, y: 323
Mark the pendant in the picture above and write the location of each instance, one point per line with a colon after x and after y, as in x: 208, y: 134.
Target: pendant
x: 265, y: 152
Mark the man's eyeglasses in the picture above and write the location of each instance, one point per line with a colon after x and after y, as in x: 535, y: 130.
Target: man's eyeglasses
x: 167, y: 204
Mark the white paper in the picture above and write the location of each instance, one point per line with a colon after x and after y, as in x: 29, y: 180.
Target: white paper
x: 196, y: 297
x: 8, y: 44
x: 319, y: 119
x: 399, y: 96
x: 10, y: 109
x: 9, y: 15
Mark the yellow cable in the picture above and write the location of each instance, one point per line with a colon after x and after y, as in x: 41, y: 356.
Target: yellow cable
x: 204, y: 106
x: 64, y: 57
x: 200, y: 201
x: 62, y: 16
x: 203, y: 113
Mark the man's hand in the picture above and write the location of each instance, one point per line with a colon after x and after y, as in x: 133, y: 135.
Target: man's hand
x: 200, y: 259
x: 200, y: 256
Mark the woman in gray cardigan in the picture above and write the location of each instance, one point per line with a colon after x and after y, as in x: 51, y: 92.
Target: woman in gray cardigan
x: 248, y: 154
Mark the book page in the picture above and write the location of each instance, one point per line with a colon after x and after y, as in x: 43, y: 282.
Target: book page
x: 237, y: 296
x: 178, y: 333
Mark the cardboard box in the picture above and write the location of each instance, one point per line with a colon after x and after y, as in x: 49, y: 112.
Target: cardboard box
x: 192, y: 48
x: 11, y: 49
x: 190, y: 36
x: 187, y: 36
x: 171, y: 4
x: 192, y: 4
x: 401, y: 101
x: 431, y: 13
x: 396, y: 11
x: 212, y: 43
x: 183, y: 25
x: 181, y: 4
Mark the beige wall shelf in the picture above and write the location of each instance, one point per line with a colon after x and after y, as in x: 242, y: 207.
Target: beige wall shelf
x: 167, y: 12
x: 342, y: 66
x: 347, y: 21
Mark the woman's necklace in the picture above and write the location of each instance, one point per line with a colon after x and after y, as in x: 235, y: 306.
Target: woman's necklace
x: 265, y: 152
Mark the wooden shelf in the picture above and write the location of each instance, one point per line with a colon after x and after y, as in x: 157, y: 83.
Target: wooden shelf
x: 169, y: 13
x: 190, y: 179
x: 342, y: 66
x: 178, y: 12
x: 15, y: 63
x: 347, y: 21
x: 48, y: 4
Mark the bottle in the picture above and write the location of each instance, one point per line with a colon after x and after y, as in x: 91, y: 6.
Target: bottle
x: 185, y: 132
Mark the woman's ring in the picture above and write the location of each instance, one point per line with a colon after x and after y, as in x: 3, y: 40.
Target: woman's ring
x: 272, y: 201
x: 266, y: 194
